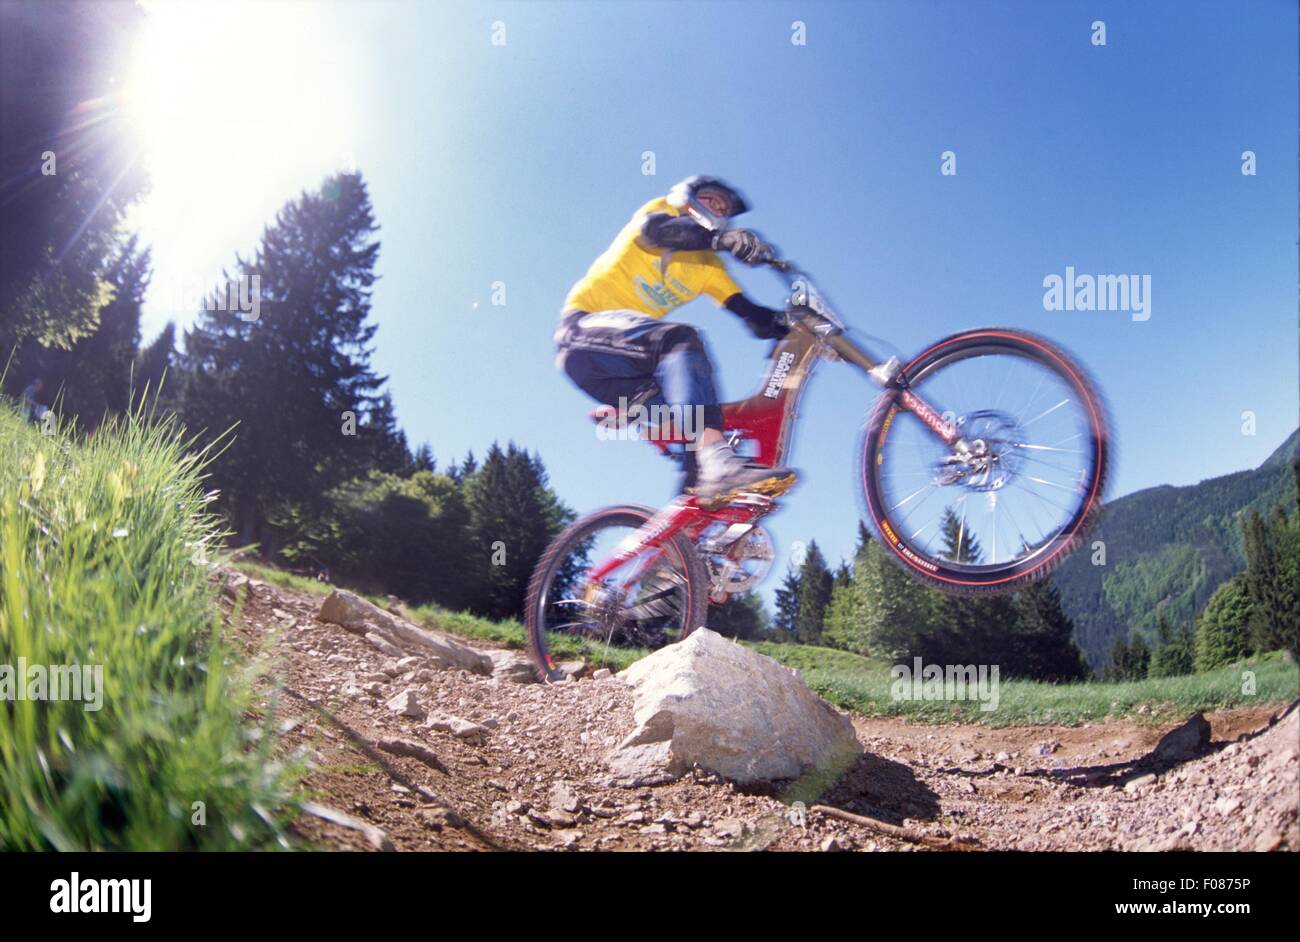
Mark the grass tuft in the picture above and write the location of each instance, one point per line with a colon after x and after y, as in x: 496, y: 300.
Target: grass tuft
x: 106, y: 547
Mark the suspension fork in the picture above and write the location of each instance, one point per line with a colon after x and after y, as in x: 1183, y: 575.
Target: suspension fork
x: 893, y: 380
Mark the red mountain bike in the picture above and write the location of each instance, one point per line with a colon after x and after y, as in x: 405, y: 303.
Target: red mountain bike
x: 983, y: 462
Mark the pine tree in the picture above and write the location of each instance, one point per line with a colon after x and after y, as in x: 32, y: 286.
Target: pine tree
x: 1174, y: 654
x: 386, y: 441
x: 973, y: 629
x: 844, y: 619
x: 814, y: 595
x: 787, y: 606
x: 1127, y: 661
x: 1223, y: 626
x: 423, y: 459
x: 743, y: 616
x: 152, y: 363
x: 898, y: 612
x: 1045, y: 635
x: 1139, y: 658
x: 296, y: 376
x: 846, y: 626
x: 513, y: 516
x: 1272, y: 576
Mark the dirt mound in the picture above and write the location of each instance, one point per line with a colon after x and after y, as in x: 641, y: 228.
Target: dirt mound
x: 410, y: 755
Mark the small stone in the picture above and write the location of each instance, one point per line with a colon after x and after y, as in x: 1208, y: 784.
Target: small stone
x: 572, y: 670
x: 438, y: 818
x: 412, y: 749
x: 1227, y: 805
x: 1268, y: 840
x: 461, y: 729
x: 562, y: 798
x: 406, y: 704
x: 1133, y: 786
x: 559, y: 819
x: 567, y: 837
x: 729, y: 827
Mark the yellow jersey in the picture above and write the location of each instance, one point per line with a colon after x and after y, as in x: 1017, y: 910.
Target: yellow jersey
x: 630, y: 275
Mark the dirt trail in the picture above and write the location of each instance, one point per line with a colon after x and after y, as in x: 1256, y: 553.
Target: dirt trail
x: 533, y: 777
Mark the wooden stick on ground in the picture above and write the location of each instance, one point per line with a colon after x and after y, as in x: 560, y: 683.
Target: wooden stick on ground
x: 893, y: 830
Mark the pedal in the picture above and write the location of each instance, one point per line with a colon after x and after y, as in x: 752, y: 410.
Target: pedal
x: 774, y: 487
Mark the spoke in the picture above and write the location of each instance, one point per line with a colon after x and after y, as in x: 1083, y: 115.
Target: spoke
x: 911, y: 495
x: 961, y: 529
x: 1048, y: 464
x: 1043, y: 414
x: 570, y: 624
x: 1065, y: 451
x: 1072, y: 490
x: 993, y: 509
x: 1034, y: 395
x: 1020, y: 531
x: 1049, y: 503
x: 915, y: 507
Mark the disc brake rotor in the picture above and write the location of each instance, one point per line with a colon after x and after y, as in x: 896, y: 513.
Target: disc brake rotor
x: 991, y: 459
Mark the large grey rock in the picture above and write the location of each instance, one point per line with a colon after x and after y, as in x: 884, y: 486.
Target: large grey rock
x: 357, y: 615
x: 1185, y: 742
x: 710, y: 702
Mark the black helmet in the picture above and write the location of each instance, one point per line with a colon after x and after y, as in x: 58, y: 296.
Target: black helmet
x: 684, y: 196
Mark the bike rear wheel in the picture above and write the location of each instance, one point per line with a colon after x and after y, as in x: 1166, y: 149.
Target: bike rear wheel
x: 1008, y: 512
x: 658, y: 596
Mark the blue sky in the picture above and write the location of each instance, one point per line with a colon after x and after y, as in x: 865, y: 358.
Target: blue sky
x: 518, y: 164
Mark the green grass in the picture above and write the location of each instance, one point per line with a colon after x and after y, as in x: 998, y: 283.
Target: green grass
x: 105, y: 555
x: 281, y: 579
x: 511, y: 633
x: 864, y: 685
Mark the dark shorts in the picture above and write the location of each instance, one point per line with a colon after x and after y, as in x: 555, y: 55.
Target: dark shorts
x: 613, y: 355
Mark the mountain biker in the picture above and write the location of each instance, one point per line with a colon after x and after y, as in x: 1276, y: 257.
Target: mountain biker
x: 613, y: 340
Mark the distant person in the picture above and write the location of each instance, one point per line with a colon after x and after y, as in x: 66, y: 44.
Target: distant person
x: 31, y: 409
x: 613, y: 342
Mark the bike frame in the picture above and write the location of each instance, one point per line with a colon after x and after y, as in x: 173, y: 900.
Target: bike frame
x: 767, y: 420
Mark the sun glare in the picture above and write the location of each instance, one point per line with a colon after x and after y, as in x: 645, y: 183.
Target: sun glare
x: 237, y: 107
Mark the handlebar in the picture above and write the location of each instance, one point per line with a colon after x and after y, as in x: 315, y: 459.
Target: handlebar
x: 841, y: 344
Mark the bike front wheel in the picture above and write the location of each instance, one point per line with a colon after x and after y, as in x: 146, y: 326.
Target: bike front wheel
x: 655, y: 597
x: 1018, y: 497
